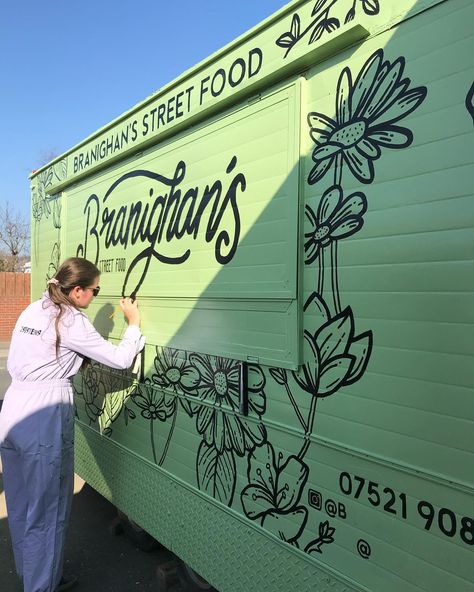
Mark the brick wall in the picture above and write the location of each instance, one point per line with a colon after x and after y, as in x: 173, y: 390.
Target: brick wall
x: 14, y: 297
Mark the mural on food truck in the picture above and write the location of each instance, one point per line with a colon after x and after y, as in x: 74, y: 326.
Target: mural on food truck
x: 146, y: 221
x: 322, y: 22
x: 369, y: 108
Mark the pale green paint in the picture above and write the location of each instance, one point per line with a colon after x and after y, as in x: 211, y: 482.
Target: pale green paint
x: 406, y: 424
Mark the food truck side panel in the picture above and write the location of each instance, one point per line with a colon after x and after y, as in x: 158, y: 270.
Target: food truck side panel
x: 308, y: 246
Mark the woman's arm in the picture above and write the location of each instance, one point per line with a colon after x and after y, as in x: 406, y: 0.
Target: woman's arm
x: 82, y: 338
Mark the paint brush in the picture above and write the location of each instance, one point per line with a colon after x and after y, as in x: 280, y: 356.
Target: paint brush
x: 118, y: 308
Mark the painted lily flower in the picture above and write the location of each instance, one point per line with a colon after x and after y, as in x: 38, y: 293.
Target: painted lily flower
x: 219, y: 386
x: 333, y: 355
x: 335, y: 218
x: 366, y: 111
x: 274, y: 492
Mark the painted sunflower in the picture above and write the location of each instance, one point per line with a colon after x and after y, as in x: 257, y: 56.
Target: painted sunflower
x: 218, y: 420
x: 366, y: 113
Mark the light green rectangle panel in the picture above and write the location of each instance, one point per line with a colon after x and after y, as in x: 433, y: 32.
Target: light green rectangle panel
x: 204, y: 230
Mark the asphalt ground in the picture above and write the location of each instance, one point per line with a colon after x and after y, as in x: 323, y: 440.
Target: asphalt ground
x: 103, y: 560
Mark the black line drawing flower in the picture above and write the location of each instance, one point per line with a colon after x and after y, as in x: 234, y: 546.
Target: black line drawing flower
x: 334, y: 356
x: 173, y: 371
x: 336, y: 218
x: 326, y: 537
x: 219, y: 388
x: 154, y: 404
x: 225, y: 432
x: 366, y: 111
x: 40, y: 201
x: 274, y: 492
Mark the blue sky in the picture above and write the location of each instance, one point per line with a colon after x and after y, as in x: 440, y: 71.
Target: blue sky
x: 67, y: 69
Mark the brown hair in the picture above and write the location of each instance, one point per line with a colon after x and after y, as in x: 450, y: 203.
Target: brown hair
x: 74, y: 271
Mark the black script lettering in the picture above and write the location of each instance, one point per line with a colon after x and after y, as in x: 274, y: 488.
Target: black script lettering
x: 164, y: 217
x: 223, y: 238
x: 92, y: 210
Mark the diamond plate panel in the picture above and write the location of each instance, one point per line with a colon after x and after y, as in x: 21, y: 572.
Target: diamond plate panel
x: 228, y: 551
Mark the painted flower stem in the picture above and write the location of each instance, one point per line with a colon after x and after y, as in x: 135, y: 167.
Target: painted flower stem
x: 296, y: 408
x: 309, y: 430
x: 334, y: 271
x: 334, y: 278
x: 152, y: 438
x: 321, y: 273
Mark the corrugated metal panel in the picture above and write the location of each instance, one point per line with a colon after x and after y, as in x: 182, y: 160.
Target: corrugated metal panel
x: 181, y: 266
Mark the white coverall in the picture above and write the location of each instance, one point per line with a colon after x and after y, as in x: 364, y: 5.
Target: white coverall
x: 37, y: 431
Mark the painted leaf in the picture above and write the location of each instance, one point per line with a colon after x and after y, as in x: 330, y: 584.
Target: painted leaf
x: 361, y: 353
x: 333, y: 338
x: 371, y: 7
x: 288, y: 527
x: 216, y: 473
x: 331, y: 24
x: 334, y: 375
x: 279, y: 375
x: 320, y: 4
x: 286, y: 40
x: 295, y: 26
x: 350, y: 16
x: 470, y: 101
x: 317, y: 32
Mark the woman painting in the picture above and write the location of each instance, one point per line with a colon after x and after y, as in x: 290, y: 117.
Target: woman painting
x: 51, y: 340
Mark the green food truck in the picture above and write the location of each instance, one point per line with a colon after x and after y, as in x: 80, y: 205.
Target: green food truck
x: 295, y: 215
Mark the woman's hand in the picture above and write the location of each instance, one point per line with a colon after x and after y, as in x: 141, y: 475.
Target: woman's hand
x: 130, y: 311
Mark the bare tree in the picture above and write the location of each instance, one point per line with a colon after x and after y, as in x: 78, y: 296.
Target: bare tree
x: 14, y: 237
